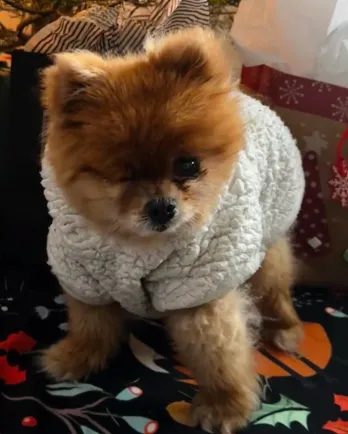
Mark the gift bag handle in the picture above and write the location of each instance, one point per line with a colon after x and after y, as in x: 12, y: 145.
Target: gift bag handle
x: 340, y: 160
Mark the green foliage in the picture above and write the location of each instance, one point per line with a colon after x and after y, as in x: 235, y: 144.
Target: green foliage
x: 215, y: 3
x: 284, y: 412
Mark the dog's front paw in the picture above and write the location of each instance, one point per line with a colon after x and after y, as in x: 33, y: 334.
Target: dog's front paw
x: 288, y: 339
x: 222, y: 411
x: 68, y: 361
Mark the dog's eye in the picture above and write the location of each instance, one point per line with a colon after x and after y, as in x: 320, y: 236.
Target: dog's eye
x: 129, y: 174
x: 186, y: 168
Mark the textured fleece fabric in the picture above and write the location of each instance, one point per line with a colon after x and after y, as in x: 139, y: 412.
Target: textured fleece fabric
x: 256, y: 208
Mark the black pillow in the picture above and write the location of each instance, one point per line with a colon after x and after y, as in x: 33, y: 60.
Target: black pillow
x: 24, y: 219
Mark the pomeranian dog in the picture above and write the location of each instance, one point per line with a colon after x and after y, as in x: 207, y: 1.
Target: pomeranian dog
x: 172, y: 194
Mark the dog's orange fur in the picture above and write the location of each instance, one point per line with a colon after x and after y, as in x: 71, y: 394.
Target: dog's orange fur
x: 115, y: 126
x: 94, y: 336
x: 271, y: 286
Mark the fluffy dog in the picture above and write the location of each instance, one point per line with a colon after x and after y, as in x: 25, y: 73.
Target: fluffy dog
x: 172, y: 194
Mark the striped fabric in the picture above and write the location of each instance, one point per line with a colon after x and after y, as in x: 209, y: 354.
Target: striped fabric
x: 107, y: 30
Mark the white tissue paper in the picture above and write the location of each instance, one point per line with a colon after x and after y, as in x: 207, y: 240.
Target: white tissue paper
x: 308, y: 38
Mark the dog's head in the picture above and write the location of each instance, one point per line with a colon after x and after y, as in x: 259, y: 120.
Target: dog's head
x: 141, y: 145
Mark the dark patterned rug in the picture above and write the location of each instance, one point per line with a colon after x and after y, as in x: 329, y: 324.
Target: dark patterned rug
x: 146, y: 390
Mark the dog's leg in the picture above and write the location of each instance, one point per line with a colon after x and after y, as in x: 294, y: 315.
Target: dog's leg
x: 215, y: 342
x: 271, y: 286
x: 93, y: 336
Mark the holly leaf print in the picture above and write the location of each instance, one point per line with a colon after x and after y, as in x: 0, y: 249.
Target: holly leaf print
x: 71, y: 389
x: 86, y: 430
x: 342, y: 402
x: 284, y: 412
x: 338, y: 427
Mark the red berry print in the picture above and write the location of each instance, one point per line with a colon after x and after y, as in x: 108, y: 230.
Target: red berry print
x: 151, y: 427
x: 136, y: 391
x: 29, y: 421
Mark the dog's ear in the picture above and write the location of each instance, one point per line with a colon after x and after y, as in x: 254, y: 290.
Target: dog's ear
x: 194, y: 53
x: 65, y: 84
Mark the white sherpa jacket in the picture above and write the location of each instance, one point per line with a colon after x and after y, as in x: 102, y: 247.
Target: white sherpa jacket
x: 257, y: 207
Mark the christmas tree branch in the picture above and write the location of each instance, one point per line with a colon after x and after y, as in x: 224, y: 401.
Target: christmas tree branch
x: 35, y: 14
x: 24, y: 24
x: 16, y: 6
x: 8, y: 39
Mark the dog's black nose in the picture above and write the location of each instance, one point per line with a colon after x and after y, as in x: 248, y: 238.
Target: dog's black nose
x: 160, y: 210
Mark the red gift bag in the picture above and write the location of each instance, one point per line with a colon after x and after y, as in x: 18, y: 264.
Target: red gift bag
x: 295, y: 57
x: 317, y: 114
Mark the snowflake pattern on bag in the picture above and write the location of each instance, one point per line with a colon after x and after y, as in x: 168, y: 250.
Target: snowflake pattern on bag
x: 339, y: 184
x: 312, y: 236
x: 340, y: 109
x: 291, y: 91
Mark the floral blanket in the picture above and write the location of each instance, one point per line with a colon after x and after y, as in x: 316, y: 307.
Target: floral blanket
x: 146, y: 389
